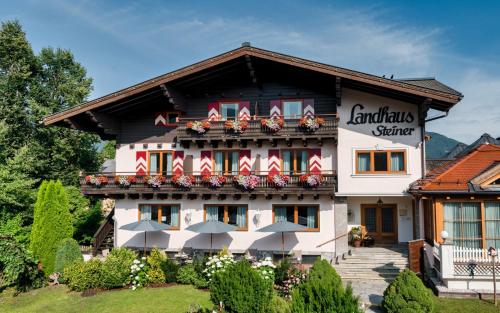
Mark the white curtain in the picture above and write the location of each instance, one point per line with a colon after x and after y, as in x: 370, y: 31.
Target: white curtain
x: 235, y: 156
x: 174, y: 216
x: 167, y: 163
x: 303, y: 161
x: 145, y: 212
x: 279, y: 214
x: 219, y: 162
x: 311, y: 217
x: 212, y: 214
x: 292, y: 109
x: 492, y: 220
x: 241, y: 216
x: 462, y: 220
x: 287, y: 160
x: 397, y: 161
x: 363, y: 162
x: 154, y: 163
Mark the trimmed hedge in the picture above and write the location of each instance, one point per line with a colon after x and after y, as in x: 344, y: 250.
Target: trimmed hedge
x: 407, y: 294
x: 241, y: 289
x: 81, y: 276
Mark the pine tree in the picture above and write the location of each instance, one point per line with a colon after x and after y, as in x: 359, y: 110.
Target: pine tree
x: 52, y: 223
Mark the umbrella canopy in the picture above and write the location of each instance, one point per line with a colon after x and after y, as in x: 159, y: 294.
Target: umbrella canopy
x: 211, y: 227
x: 146, y: 225
x: 282, y: 227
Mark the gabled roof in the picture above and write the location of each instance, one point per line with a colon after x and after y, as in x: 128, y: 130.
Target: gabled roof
x: 430, y: 83
x: 484, y: 139
x: 456, y: 176
x: 438, y: 92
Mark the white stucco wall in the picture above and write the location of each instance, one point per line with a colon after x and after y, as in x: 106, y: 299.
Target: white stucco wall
x: 404, y: 213
x: 360, y: 137
x: 126, y: 211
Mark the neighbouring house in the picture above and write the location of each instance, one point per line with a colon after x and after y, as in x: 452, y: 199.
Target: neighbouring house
x: 462, y: 198
x: 251, y: 137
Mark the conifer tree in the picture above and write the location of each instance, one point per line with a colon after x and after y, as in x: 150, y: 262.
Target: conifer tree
x: 52, y: 223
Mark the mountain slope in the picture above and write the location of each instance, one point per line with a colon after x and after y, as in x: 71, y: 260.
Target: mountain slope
x: 439, y: 145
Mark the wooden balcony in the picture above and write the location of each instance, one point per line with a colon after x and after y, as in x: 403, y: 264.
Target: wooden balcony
x: 255, y: 132
x: 140, y: 188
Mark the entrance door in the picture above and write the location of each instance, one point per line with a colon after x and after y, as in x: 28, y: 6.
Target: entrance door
x: 380, y: 222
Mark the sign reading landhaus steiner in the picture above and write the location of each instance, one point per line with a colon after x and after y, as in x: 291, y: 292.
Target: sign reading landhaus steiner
x: 383, y: 116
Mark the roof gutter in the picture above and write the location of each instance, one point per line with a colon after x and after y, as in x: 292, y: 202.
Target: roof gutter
x: 437, y: 117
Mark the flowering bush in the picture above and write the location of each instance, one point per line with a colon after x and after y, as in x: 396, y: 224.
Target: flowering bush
x: 125, y: 181
x: 311, y: 123
x: 278, y: 180
x: 247, y: 182
x: 273, y: 124
x: 265, y: 268
x: 214, y: 181
x: 138, y: 273
x: 293, y: 278
x: 96, y: 180
x: 155, y: 181
x: 236, y: 126
x: 311, y: 180
x: 183, y: 181
x: 199, y: 127
x: 217, y: 263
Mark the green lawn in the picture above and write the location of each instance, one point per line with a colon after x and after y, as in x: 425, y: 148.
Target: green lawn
x: 465, y: 306
x: 58, y: 299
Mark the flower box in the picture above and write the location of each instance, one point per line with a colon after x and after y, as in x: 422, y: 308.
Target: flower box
x: 278, y: 181
x: 311, y: 124
x: 125, y: 181
x: 236, y: 127
x: 198, y: 127
x: 246, y: 182
x: 183, y: 181
x: 273, y: 124
x: 311, y: 180
x: 155, y: 181
x: 96, y: 180
x: 214, y: 181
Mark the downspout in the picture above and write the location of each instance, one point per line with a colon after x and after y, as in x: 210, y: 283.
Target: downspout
x: 422, y: 133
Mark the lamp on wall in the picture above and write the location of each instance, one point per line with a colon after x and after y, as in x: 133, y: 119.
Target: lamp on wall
x: 256, y: 218
x: 187, y: 218
x: 380, y: 202
x: 444, y: 235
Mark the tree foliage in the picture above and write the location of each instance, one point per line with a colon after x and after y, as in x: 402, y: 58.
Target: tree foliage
x: 407, y: 294
x: 52, y: 223
x: 68, y: 252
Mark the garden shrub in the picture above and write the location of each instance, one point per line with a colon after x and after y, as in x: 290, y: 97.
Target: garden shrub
x: 81, y: 276
x: 187, y: 275
x: 170, y: 269
x: 17, y: 267
x: 51, y: 224
x: 322, y: 291
x: 67, y: 253
x: 241, y: 289
x: 138, y: 273
x: 155, y: 271
x: 279, y: 305
x: 407, y: 294
x: 116, y: 268
x: 281, y: 271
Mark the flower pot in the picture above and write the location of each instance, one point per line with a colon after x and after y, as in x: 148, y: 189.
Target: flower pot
x: 357, y: 243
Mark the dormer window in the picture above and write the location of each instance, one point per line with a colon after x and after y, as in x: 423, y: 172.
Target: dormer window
x: 229, y: 111
x: 292, y: 109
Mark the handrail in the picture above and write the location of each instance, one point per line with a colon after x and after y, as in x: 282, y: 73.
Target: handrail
x: 103, y: 231
x: 331, y: 240
x: 201, y: 173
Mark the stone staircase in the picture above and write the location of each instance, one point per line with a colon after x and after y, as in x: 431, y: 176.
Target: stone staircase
x: 374, y: 263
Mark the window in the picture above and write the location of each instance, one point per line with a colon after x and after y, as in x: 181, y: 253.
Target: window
x: 172, y: 118
x: 295, y: 161
x: 226, y: 162
x: 462, y: 220
x: 305, y: 215
x: 160, y: 162
x: 229, y: 111
x: 236, y: 215
x: 292, y: 109
x: 373, y: 162
x: 163, y: 214
x: 492, y: 224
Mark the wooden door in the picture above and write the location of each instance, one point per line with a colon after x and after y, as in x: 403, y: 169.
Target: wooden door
x: 380, y: 222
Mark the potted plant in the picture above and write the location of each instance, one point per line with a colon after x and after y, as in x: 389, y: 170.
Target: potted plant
x: 214, y: 181
x: 356, y: 236
x: 246, y: 182
x: 272, y: 124
x: 311, y: 124
x: 311, y: 180
x: 278, y: 180
x: 198, y: 127
x: 236, y: 126
x: 125, y: 181
x: 183, y: 181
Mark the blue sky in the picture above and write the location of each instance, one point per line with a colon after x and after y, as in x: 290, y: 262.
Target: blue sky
x: 125, y: 42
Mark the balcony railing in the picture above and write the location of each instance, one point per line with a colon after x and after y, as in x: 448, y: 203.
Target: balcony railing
x: 109, y: 184
x: 255, y: 130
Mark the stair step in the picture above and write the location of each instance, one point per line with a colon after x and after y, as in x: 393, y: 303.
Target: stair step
x: 348, y: 266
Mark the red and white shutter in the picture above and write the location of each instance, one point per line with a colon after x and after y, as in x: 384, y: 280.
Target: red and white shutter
x: 160, y: 119
x: 141, y: 162
x: 315, y: 161
x: 206, y: 162
x: 213, y: 111
x: 178, y: 166
x: 273, y: 162
x: 245, y: 162
x: 244, y: 114
x: 275, y: 108
x: 308, y: 107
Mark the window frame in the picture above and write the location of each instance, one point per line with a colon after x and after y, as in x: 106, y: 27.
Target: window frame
x: 226, y: 214
x: 226, y: 161
x: 238, y: 108
x: 167, y: 115
x: 372, y: 162
x: 484, y: 220
x: 159, y: 207
x: 161, y: 152
x: 282, y: 106
x: 296, y: 214
x: 294, y: 151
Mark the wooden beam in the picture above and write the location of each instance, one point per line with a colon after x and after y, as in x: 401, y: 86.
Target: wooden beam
x: 338, y: 91
x: 251, y: 70
x: 237, y: 196
x: 174, y: 98
x: 107, y: 123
